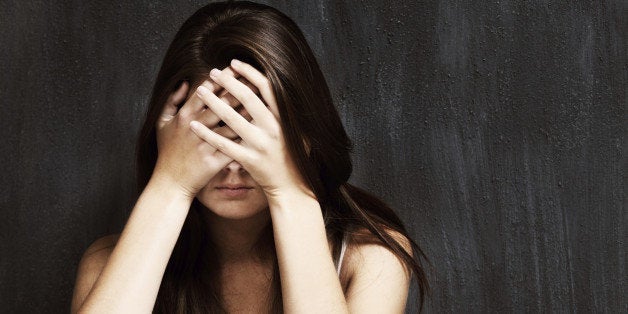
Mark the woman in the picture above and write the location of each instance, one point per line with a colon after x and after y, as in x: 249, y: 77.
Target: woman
x: 245, y: 205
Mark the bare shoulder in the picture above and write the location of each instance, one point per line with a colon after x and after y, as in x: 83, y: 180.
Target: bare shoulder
x: 103, y: 243
x: 365, y: 247
x: 91, y: 265
x: 378, y: 280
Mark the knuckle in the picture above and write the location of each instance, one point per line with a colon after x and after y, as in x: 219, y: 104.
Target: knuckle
x: 183, y: 115
x: 220, y: 145
x: 261, y: 146
x: 201, y: 149
x: 249, y: 97
x: 274, y: 130
x: 252, y: 159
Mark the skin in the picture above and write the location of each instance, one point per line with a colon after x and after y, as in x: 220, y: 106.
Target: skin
x: 197, y: 155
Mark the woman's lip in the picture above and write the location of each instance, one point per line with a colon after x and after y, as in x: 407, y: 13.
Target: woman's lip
x: 233, y: 192
x: 234, y: 187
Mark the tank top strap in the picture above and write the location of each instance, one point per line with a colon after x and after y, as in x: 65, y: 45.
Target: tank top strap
x: 342, y: 254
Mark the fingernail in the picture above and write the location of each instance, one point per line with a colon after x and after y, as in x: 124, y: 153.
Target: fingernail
x: 194, y: 125
x: 214, y: 72
x: 236, y: 62
x: 202, y: 90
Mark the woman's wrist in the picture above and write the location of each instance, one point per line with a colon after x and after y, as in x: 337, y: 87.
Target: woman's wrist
x: 290, y: 197
x: 169, y: 186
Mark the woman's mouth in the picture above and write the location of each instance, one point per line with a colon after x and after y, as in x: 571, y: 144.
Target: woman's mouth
x: 233, y: 191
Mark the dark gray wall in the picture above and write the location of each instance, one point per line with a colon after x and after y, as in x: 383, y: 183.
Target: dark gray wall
x: 496, y: 130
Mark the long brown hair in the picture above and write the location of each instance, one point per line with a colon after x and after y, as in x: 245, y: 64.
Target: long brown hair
x: 270, y: 41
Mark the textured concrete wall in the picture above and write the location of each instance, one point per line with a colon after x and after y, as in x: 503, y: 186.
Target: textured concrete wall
x: 495, y: 128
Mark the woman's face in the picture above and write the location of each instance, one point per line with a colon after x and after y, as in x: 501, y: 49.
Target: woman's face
x: 233, y: 194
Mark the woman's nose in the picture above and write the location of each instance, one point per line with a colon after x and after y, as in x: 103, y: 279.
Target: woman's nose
x: 234, y: 166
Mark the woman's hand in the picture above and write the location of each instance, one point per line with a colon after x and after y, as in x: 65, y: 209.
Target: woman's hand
x: 183, y: 158
x: 262, y: 151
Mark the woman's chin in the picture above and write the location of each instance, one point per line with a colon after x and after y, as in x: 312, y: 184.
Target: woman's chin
x: 235, y: 212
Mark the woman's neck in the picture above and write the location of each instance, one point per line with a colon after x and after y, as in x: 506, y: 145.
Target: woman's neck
x: 236, y: 239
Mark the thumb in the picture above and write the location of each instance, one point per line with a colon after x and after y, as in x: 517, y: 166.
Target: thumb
x: 172, y: 104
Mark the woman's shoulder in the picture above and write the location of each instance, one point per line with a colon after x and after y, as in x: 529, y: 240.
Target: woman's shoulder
x: 96, y: 255
x: 377, y: 277
x: 365, y: 248
x: 91, y: 265
x: 362, y: 239
x: 107, y: 242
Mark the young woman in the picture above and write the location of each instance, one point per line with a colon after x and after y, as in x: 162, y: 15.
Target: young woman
x: 245, y: 205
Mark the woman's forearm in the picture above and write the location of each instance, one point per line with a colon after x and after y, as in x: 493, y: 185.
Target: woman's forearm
x: 130, y: 281
x: 308, y: 277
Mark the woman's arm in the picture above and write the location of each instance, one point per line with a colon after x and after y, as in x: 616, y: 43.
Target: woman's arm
x: 130, y: 280
x: 308, y: 278
x: 379, y: 282
x: 309, y: 281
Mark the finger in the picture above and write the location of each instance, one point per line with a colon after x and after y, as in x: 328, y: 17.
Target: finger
x: 210, y: 119
x: 221, y: 158
x: 225, y: 145
x: 247, y: 98
x: 171, y: 105
x: 217, y: 88
x: 226, y: 132
x: 233, y: 119
x: 245, y: 114
x: 233, y: 102
x: 195, y: 104
x: 174, y: 99
x: 260, y: 81
x: 244, y: 81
